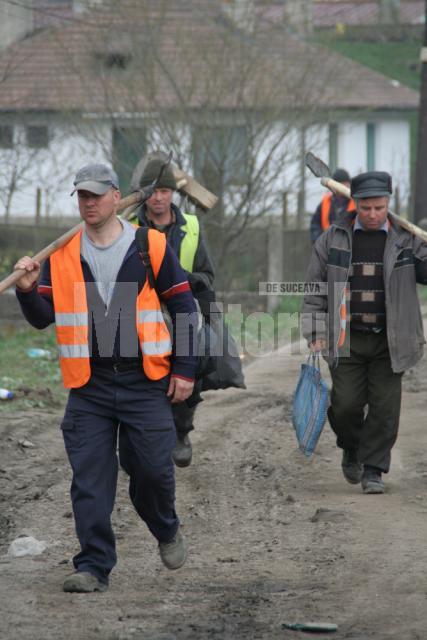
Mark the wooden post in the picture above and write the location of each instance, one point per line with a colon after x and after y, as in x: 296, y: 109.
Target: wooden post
x: 300, y: 209
x: 46, y: 204
x: 285, y: 210
x: 301, y: 191
x: 38, y: 205
x: 275, y: 257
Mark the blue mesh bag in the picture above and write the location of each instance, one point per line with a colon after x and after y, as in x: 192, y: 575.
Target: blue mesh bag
x: 310, y: 404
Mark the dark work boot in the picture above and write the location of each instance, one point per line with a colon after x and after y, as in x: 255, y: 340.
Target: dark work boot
x: 351, y: 467
x: 183, y: 451
x: 371, y: 480
x: 83, y: 582
x: 174, y: 553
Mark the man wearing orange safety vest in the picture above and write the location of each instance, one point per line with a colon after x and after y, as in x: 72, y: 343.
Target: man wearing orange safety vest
x: 122, y: 368
x: 331, y: 207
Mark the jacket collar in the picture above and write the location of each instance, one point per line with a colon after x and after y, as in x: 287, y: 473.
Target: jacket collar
x: 346, y: 222
x: 179, y: 218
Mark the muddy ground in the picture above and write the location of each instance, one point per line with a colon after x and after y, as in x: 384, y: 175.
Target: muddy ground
x: 273, y: 537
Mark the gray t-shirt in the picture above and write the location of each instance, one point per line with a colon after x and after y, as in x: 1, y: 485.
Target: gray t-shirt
x: 105, y: 262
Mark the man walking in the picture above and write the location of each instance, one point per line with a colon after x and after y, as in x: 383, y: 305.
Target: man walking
x: 369, y: 325
x: 331, y: 207
x: 117, y: 359
x: 186, y: 238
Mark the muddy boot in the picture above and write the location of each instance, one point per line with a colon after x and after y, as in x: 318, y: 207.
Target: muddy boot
x: 371, y: 480
x: 83, y: 582
x: 174, y: 553
x: 351, y: 467
x: 183, y: 451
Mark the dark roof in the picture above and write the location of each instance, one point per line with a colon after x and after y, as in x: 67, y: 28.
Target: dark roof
x: 182, y: 54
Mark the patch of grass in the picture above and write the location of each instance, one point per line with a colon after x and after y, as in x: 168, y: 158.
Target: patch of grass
x: 260, y: 333
x: 35, y: 382
x: 397, y: 60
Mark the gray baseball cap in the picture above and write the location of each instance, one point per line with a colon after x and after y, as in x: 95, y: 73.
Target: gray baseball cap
x: 96, y: 178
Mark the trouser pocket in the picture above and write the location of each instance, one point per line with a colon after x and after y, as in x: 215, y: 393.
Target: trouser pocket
x: 73, y: 433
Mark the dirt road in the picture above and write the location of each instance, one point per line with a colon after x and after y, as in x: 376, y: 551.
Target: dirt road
x: 273, y: 538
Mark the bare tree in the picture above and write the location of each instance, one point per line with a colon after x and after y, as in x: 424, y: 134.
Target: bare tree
x: 229, y: 100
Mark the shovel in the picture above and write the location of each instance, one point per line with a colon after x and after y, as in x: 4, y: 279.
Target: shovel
x: 192, y: 188
x: 322, y: 171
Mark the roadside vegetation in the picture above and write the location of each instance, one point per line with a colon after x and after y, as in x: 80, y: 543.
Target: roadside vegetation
x: 394, y: 56
x: 37, y: 383
x: 34, y: 382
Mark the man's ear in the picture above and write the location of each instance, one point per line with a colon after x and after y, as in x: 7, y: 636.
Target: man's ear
x: 117, y: 195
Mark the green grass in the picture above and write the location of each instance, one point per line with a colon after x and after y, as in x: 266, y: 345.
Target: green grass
x: 35, y: 382
x: 397, y: 60
x: 260, y: 333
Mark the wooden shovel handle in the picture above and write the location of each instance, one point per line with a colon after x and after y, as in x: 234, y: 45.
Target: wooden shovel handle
x: 337, y: 187
x: 13, y: 278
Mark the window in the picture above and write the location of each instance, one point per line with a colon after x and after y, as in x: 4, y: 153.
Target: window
x: 117, y: 60
x: 113, y: 59
x: 221, y: 155
x: 37, y: 136
x: 129, y: 145
x: 6, y: 136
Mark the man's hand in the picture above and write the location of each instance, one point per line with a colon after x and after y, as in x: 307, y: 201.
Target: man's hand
x: 317, y: 345
x: 32, y: 267
x: 179, y: 389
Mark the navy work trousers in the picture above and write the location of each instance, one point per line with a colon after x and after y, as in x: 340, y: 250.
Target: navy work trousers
x: 136, y: 411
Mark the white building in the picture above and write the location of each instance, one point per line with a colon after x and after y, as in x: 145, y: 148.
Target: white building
x: 239, y: 107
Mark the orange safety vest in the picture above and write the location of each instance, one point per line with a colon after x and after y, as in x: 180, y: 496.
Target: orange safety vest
x: 325, y: 210
x: 72, y: 316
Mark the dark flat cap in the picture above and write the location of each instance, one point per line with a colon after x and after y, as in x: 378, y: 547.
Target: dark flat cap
x: 372, y: 184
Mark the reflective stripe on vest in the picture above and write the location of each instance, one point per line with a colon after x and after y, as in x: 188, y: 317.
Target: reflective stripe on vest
x: 325, y: 210
x: 71, y: 315
x: 190, y: 242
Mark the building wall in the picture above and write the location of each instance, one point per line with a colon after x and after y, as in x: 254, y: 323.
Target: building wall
x: 73, y: 144
x: 380, y: 144
x: 23, y: 169
x: 392, y: 144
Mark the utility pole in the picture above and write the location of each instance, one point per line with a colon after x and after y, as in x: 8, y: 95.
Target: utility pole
x: 420, y: 198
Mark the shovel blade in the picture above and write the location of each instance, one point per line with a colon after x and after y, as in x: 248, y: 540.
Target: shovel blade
x: 317, y: 166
